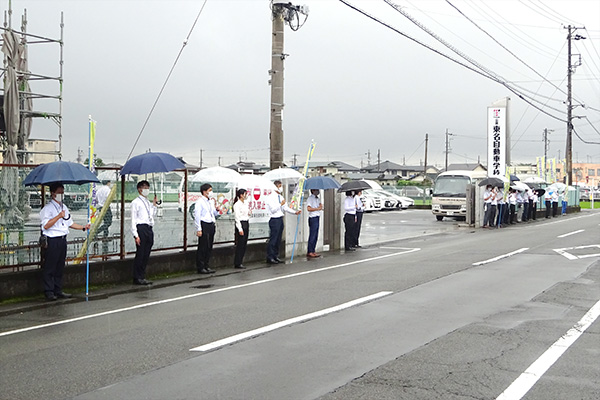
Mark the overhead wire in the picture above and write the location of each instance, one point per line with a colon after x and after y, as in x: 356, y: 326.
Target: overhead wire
x: 539, y: 11
x: 166, y: 80
x: 491, y: 74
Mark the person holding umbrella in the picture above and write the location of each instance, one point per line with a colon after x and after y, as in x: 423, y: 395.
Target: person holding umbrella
x: 314, y: 207
x: 142, y: 221
x: 55, y: 223
x: 241, y: 212
x: 349, y: 221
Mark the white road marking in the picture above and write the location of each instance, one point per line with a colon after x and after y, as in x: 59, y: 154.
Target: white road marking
x: 527, y: 379
x: 291, y: 321
x: 564, y: 252
x: 571, y: 233
x: 501, y: 257
x: 190, y: 296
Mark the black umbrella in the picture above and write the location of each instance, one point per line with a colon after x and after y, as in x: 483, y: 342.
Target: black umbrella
x: 540, y: 192
x: 496, y: 182
x: 514, y: 178
x: 354, y: 185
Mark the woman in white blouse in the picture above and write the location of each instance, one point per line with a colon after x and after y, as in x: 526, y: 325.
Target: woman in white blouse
x: 242, y: 227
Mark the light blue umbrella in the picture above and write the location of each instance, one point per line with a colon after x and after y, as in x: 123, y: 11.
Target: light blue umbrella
x: 321, y: 183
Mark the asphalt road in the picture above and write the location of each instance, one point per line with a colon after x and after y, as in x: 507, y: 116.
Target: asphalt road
x: 426, y: 310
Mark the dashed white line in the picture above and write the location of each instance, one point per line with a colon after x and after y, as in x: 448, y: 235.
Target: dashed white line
x: 571, y: 233
x: 501, y: 257
x: 527, y: 379
x: 291, y: 321
x: 189, y: 296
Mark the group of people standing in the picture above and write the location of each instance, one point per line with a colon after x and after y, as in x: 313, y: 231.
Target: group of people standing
x: 519, y: 206
x: 353, y: 214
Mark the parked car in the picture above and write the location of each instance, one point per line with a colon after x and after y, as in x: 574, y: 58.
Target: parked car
x: 413, y: 191
x: 388, y: 202
x: 371, y: 201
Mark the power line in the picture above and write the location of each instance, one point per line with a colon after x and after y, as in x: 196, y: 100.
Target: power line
x: 166, y: 80
x: 489, y: 73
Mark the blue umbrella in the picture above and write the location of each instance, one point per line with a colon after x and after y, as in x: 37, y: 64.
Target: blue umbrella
x: 514, y: 178
x: 151, y: 162
x: 60, y: 172
x: 321, y: 182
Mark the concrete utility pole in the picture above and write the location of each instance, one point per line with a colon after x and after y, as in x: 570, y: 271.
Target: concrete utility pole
x: 448, y: 134
x: 570, y: 70
x: 378, y: 160
x: 425, y: 166
x: 282, y: 12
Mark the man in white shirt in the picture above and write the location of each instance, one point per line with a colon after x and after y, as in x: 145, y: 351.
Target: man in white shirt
x: 489, y: 197
x: 142, y: 221
x: 204, y: 218
x: 276, y: 205
x: 360, y: 209
x: 314, y: 207
x: 101, y: 197
x: 55, y: 223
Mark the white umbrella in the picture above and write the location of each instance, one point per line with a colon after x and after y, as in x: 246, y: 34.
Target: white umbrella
x: 255, y: 184
x: 557, y: 186
x: 520, y: 186
x: 534, y: 179
x: 285, y: 175
x: 216, y: 174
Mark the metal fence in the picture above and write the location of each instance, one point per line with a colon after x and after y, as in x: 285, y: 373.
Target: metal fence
x: 110, y: 237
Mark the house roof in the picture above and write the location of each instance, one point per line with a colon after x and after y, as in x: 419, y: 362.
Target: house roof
x: 340, y: 165
x: 466, y: 167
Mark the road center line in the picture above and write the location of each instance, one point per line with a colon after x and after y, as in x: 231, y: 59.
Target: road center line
x: 501, y: 257
x: 290, y: 321
x: 571, y: 233
x: 190, y: 296
x: 527, y: 379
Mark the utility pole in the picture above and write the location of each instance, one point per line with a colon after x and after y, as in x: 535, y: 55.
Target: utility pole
x: 570, y: 70
x: 294, y: 159
x: 282, y: 12
x: 447, y: 146
x: 368, y: 157
x: 201, y: 158
x: 425, y: 166
x: 378, y: 160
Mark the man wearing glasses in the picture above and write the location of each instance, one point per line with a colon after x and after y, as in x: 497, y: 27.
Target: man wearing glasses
x: 55, y: 222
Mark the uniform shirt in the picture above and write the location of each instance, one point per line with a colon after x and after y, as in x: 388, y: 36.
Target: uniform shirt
x: 349, y: 205
x: 102, y: 195
x: 555, y: 197
x: 512, y: 198
x: 204, y: 211
x: 494, y: 199
x: 275, y: 208
x: 360, y: 207
x: 61, y: 227
x: 535, y: 198
x: 142, y: 212
x: 519, y: 198
x: 241, y: 212
x: 500, y: 197
x: 313, y: 202
x: 488, y: 196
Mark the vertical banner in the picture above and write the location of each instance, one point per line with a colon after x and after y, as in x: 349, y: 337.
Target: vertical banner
x: 497, y: 141
x: 538, y: 167
x: 92, y: 205
x: 553, y: 170
x: 296, y: 202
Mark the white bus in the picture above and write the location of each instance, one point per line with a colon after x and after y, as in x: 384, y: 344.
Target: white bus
x: 449, y: 195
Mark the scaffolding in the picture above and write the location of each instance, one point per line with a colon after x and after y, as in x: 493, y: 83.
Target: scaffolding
x: 26, y: 95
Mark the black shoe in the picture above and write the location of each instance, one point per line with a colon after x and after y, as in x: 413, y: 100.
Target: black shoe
x: 204, y: 271
x: 358, y: 247
x: 210, y: 271
x: 272, y: 261
x: 350, y: 249
x: 279, y: 260
x: 239, y: 267
x: 63, y: 295
x: 51, y: 297
x: 141, y: 282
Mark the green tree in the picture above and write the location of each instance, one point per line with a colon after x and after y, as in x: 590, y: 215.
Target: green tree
x: 97, y: 161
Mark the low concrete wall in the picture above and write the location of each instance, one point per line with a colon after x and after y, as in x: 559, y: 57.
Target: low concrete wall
x: 28, y: 283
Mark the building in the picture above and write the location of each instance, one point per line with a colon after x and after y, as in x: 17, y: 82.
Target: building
x: 331, y: 168
x: 467, y: 167
x: 583, y: 173
x: 249, y: 167
x: 41, y: 151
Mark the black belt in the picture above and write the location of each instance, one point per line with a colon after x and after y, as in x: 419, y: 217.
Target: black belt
x: 57, y: 237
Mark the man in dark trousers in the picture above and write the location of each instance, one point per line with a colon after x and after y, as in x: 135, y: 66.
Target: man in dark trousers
x: 204, y: 218
x: 276, y: 206
x: 142, y: 221
x: 55, y: 223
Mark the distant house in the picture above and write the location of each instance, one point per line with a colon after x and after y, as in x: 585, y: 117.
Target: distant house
x: 249, y: 167
x: 332, y: 168
x: 467, y: 167
x: 395, y: 171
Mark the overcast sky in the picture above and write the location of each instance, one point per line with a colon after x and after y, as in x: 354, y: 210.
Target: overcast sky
x: 351, y: 84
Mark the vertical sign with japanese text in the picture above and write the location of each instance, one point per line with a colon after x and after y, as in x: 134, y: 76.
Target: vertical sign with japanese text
x: 497, y: 141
